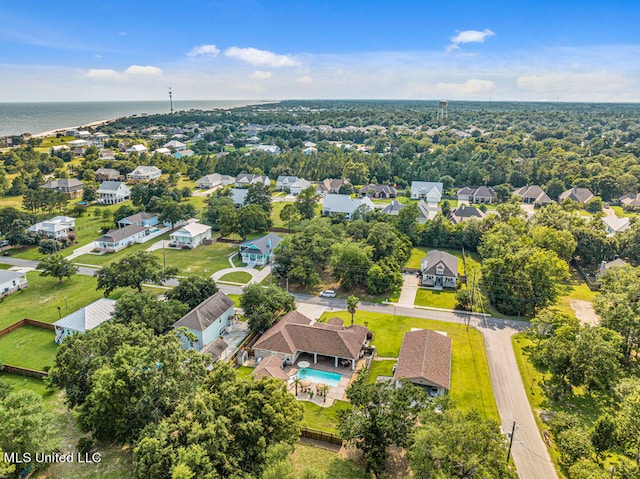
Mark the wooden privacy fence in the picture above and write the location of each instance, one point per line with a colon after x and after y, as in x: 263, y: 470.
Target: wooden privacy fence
x: 26, y: 322
x: 321, y: 435
x: 32, y: 373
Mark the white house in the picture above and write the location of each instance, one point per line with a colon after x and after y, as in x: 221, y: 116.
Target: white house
x: 138, y: 149
x: 344, y: 204
x: 216, y: 179
x: 300, y: 184
x: 12, y: 281
x: 85, y: 318
x: 162, y: 151
x: 78, y: 143
x: 283, y: 183
x: 115, y: 240
x: 144, y: 173
x: 207, y: 321
x: 243, y: 180
x: 271, y: 149
x: 175, y: 145
x: 190, y: 235
x: 55, y: 228
x: 310, y: 150
x: 431, y: 192
x: 113, y: 192
x: 615, y: 225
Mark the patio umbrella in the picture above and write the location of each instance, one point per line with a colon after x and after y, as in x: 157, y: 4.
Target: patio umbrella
x: 305, y: 383
x: 320, y: 386
x: 303, y: 364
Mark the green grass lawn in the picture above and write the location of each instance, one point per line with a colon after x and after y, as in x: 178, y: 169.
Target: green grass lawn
x: 235, y: 298
x: 576, y: 289
x: 470, y: 380
x: 203, y: 260
x: 20, y: 383
x: 108, y: 258
x: 236, y: 277
x: 15, y: 201
x: 380, y: 368
x: 620, y: 212
x: 29, y: 347
x: 244, y: 371
x: 436, y: 299
x: 323, y: 418
x: 5, y: 266
x: 330, y: 463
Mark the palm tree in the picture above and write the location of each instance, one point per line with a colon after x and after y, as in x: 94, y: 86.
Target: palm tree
x: 296, y: 383
x: 352, y: 305
x: 325, y: 390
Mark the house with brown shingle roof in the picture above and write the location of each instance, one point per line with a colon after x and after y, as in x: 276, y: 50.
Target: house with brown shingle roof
x: 425, y: 360
x: 270, y: 367
x: 533, y: 194
x: 295, y: 334
x: 581, y: 195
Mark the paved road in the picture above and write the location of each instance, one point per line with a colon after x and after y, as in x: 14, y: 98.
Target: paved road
x: 27, y: 263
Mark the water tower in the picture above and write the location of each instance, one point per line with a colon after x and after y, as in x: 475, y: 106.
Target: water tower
x: 442, y: 109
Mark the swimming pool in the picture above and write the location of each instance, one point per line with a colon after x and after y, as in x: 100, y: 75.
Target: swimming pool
x: 317, y: 376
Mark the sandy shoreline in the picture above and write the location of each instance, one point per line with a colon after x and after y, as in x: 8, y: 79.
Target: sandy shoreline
x: 85, y: 125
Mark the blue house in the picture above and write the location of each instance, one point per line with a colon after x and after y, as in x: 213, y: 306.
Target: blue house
x: 258, y: 251
x: 207, y: 321
x: 140, y: 219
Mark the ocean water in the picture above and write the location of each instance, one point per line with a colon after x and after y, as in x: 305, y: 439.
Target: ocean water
x: 18, y: 118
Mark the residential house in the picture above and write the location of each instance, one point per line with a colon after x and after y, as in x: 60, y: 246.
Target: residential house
x: 581, y: 195
x: 138, y: 149
x: 216, y: 179
x: 144, y: 173
x: 190, y: 235
x: 480, y: 194
x: 158, y: 136
x: 162, y: 151
x: 12, y: 281
x: 85, y: 319
x: 310, y: 150
x: 253, y: 140
x: 217, y: 349
x: 107, y: 155
x: 183, y: 154
x: 331, y: 185
x: 309, y: 144
x: 115, y: 240
x: 78, y: 143
x: 609, y: 265
x: 465, y: 213
x: 630, y: 202
x: 113, y: 192
x: 175, y: 145
x: 270, y: 367
x: 345, y: 205
x: 107, y: 174
x: 58, y: 149
x: 533, y: 194
x: 78, y: 152
x: 425, y: 361
x: 295, y: 334
x: 271, y: 149
x: 300, y: 184
x: 439, y: 269
x: 615, y: 225
x: 71, y: 187
x: 392, y: 208
x: 283, y: 183
x: 142, y: 218
x: 99, y: 136
x: 207, y: 321
x: 238, y: 196
x: 426, y: 212
x: 83, y: 134
x: 431, y: 192
x: 55, y: 228
x: 259, y: 251
x: 243, y: 180
x: 379, y: 191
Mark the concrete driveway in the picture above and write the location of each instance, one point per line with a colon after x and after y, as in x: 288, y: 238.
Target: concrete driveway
x: 409, y: 290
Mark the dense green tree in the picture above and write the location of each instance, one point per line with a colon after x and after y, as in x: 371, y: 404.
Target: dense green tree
x: 603, y: 435
x: 261, y: 305
x: 457, y: 444
x: 131, y: 272
x: 17, y: 233
x: 594, y: 205
x: 351, y: 263
x: 145, y: 309
x: 231, y: 429
x: 560, y: 242
x: 89, y: 192
x: 252, y: 219
x: 289, y: 213
x: 213, y: 210
x: 574, y: 444
x: 407, y: 221
x: 379, y: 417
x: 306, y: 202
x: 173, y: 212
x: 259, y: 194
x: 193, y: 290
x: 57, y: 266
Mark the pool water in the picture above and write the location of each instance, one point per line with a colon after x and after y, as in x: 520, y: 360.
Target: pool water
x: 317, y: 376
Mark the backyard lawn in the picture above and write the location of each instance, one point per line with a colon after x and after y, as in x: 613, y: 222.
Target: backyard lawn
x: 323, y: 418
x: 576, y: 289
x: 107, y: 258
x: 19, y: 383
x: 470, y: 380
x: 330, y: 463
x: 203, y: 260
x: 236, y: 277
x: 28, y: 347
x: 436, y: 299
x: 380, y: 368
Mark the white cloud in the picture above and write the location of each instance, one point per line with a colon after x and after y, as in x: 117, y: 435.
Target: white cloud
x: 143, y: 70
x: 259, y: 58
x: 205, y: 50
x: 571, y: 85
x: 306, y: 79
x: 260, y: 75
x: 469, y: 36
x: 103, y: 74
x: 98, y: 55
x: 468, y: 88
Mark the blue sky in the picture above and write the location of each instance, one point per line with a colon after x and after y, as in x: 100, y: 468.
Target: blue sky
x: 518, y: 50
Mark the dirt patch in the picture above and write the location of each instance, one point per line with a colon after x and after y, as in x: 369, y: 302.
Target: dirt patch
x: 584, y: 312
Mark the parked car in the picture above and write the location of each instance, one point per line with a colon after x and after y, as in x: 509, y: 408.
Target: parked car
x: 328, y: 293
x: 4, y: 243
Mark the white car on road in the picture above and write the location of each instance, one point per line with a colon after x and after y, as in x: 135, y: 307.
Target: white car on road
x: 328, y: 293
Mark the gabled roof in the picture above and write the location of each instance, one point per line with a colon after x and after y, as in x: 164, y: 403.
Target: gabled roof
x: 206, y: 313
x: 113, y: 236
x: 631, y: 200
x: 425, y: 355
x: 424, y: 212
x: 264, y: 244
x: 88, y: 317
x: 286, y: 180
x: 617, y: 225
x: 238, y: 195
x: 581, y: 195
x: 435, y: 258
x: 107, y: 172
x: 616, y: 263
x: 465, y: 213
x: 141, y: 216
x: 393, y: 208
x: 110, y: 186
x: 295, y: 332
x: 377, y: 189
x: 174, y: 144
x: 63, y: 183
x: 533, y: 193
x: 192, y: 230
x: 345, y: 204
x: 215, y: 348
x: 425, y: 187
x: 6, y: 275
x: 270, y: 367
x: 330, y: 184
x: 145, y: 170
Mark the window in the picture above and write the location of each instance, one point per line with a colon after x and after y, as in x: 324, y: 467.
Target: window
x: 439, y: 269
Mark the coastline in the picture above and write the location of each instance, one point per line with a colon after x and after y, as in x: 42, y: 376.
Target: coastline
x: 45, y: 134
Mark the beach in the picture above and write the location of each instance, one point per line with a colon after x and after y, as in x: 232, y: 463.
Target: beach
x: 44, y: 134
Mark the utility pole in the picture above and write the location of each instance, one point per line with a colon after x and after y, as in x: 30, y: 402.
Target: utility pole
x: 513, y: 430
x: 171, y: 100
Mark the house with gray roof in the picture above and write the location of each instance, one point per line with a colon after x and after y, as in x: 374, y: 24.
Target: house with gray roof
x: 55, y: 228
x: 331, y: 185
x: 238, y: 196
x: 243, y: 180
x: 143, y: 218
x: 610, y: 265
x: 115, y: 240
x: 113, y: 192
x: 12, y: 281
x: 295, y: 334
x: 465, y: 213
x: 379, y: 191
x: 207, y: 321
x: 614, y: 225
x: 213, y: 180
x: 429, y: 191
x: 345, y: 205
x: 425, y: 361
x: 581, y: 195
x: 107, y: 174
x: 533, y: 194
x: 71, y: 187
x: 85, y: 319
x: 300, y: 184
x: 439, y: 269
x: 283, y: 183
x: 426, y: 211
x: 479, y: 194
x: 259, y: 251
x: 392, y: 208
x: 630, y: 202
x: 144, y: 173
